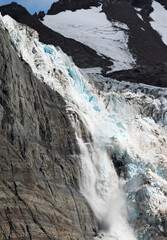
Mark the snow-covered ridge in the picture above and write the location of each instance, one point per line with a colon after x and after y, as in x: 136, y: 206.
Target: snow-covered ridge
x: 92, y: 28
x: 120, y: 117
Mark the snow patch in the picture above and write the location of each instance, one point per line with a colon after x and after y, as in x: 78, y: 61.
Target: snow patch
x: 139, y: 16
x: 92, y: 28
x: 159, y: 23
x: 138, y: 9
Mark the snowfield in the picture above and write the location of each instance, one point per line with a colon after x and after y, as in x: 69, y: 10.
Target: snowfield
x: 92, y: 28
x: 159, y: 23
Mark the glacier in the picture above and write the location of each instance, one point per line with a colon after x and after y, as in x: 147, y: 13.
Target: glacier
x: 124, y: 154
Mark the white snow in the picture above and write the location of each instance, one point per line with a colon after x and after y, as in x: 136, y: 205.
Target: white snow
x: 159, y: 23
x: 92, y: 28
x: 138, y: 9
x: 93, y: 70
x: 124, y: 119
x: 139, y: 16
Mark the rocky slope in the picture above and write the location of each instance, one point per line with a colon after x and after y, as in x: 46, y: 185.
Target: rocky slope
x: 144, y: 43
x: 39, y: 185
x: 151, y: 75
x: 82, y: 55
x: 73, y: 5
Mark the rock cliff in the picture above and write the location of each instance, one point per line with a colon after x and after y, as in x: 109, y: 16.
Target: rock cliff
x: 73, y: 5
x: 39, y: 191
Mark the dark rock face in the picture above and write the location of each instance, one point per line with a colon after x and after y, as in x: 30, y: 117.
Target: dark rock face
x: 39, y: 195
x: 72, y: 5
x: 141, y: 4
x: 82, y: 55
x: 145, y: 43
x: 144, y: 3
x: 156, y: 75
x: 41, y: 15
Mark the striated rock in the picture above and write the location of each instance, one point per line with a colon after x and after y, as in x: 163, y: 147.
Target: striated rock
x: 39, y: 190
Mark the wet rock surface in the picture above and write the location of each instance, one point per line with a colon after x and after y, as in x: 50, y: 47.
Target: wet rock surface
x: 39, y: 190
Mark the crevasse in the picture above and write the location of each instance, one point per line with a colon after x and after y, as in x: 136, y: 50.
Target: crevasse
x: 126, y: 129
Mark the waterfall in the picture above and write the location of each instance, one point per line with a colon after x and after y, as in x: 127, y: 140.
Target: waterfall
x: 99, y: 182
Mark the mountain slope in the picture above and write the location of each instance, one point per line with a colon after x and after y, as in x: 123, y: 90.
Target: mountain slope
x: 144, y: 43
x: 39, y: 184
x: 146, y: 46
x: 92, y: 28
x: 92, y: 135
x: 72, y: 5
x: 82, y: 55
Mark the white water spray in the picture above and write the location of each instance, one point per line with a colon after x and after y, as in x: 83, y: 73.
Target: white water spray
x: 99, y: 182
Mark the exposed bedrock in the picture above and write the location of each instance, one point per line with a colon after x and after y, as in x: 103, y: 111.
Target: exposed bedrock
x: 39, y: 190
x: 73, y: 5
x: 152, y: 75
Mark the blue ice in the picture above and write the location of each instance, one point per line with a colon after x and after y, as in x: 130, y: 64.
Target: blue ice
x: 161, y: 171
x: 48, y: 49
x: 80, y: 86
x: 133, y: 169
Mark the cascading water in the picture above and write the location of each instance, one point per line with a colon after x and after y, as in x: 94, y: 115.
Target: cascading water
x: 124, y: 121
x: 99, y: 182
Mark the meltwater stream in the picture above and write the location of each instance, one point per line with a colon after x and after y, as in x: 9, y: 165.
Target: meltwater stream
x: 99, y: 182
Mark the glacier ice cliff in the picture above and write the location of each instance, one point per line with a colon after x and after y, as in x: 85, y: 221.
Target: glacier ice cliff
x: 118, y: 156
